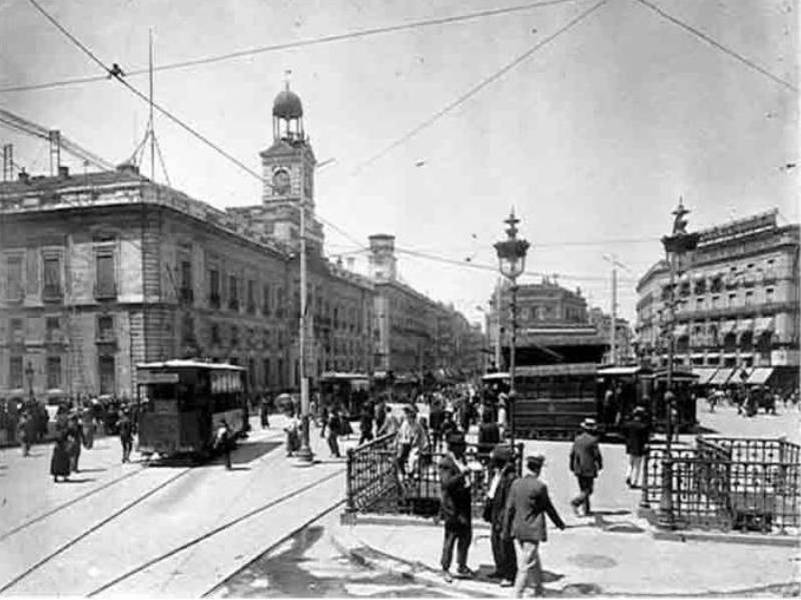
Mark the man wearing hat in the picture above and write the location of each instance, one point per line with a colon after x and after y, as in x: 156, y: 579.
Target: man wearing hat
x: 636, y: 442
x: 455, y: 508
x: 585, y: 462
x: 526, y: 507
x: 503, y: 550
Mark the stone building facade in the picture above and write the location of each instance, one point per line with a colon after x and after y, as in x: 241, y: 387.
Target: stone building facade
x: 737, y: 300
x: 101, y: 271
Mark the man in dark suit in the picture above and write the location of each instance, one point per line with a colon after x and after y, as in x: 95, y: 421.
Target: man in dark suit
x: 636, y: 443
x: 503, y: 550
x: 455, y: 508
x: 585, y: 462
x: 526, y: 507
x: 489, y: 436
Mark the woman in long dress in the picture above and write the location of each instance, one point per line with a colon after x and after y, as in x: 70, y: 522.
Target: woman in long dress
x: 60, y: 462
x: 75, y: 437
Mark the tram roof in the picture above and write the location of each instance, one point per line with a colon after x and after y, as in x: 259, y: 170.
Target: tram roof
x: 624, y: 370
x: 343, y: 375
x: 188, y: 364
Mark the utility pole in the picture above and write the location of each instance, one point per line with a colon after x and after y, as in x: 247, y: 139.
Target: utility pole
x: 151, y: 131
x: 497, y: 324
x: 305, y: 453
x: 613, y: 328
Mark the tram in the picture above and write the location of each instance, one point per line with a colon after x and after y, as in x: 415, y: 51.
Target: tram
x: 345, y: 391
x: 182, y: 403
x: 552, y: 400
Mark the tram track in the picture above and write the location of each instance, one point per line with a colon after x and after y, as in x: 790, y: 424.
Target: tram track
x: 69, y: 544
x: 222, y: 528
x: 69, y: 503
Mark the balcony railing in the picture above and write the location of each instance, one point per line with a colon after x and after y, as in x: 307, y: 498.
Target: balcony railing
x: 55, y: 336
x: 52, y: 293
x: 105, y: 291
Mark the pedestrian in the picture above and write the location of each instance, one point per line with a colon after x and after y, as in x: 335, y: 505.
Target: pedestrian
x: 503, y: 550
x: 455, y: 508
x: 222, y: 442
x: 585, y: 463
x: 264, y: 411
x: 410, y: 436
x: 390, y: 424
x: 526, y: 508
x: 324, y: 416
x: 366, y: 424
x: 489, y: 435
x: 126, y: 434
x: 636, y: 431
x: 292, y: 428
x: 87, y: 426
x: 334, y: 429
x: 502, y: 400
x: 24, y: 433
x: 75, y: 437
x: 60, y: 460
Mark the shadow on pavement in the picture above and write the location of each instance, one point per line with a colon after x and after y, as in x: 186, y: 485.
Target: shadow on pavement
x: 79, y: 480
x: 92, y: 470
x: 250, y: 451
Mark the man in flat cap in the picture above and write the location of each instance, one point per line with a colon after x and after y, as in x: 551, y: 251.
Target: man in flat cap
x: 526, y: 507
x: 585, y: 463
x: 455, y: 508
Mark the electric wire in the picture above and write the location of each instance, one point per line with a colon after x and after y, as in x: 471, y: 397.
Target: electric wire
x: 709, y: 40
x: 170, y: 115
x: 478, y: 87
x: 297, y: 44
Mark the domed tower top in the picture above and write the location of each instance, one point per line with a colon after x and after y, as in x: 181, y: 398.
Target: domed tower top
x: 288, y: 116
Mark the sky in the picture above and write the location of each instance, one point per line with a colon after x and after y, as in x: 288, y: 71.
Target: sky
x: 592, y: 138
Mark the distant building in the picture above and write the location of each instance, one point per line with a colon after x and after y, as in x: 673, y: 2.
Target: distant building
x: 553, y: 325
x: 417, y: 338
x: 624, y: 336
x: 101, y: 271
x: 737, y: 303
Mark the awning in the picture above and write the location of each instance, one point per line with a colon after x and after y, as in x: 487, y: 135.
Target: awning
x: 762, y: 325
x: 760, y: 375
x: 680, y: 330
x: 727, y: 327
x: 705, y: 375
x: 745, y: 325
x: 721, y: 377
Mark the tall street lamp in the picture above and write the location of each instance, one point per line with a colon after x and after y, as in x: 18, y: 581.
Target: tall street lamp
x: 676, y: 246
x: 512, y: 263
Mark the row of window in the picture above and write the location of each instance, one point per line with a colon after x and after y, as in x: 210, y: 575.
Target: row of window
x: 53, y: 275
x: 54, y: 331
x: 54, y: 375
x: 731, y: 300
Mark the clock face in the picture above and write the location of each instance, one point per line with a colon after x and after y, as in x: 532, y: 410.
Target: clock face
x: 281, y: 182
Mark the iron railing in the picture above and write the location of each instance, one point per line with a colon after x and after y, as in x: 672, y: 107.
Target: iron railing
x: 375, y: 483
x: 728, y: 484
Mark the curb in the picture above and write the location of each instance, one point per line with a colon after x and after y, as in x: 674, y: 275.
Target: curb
x: 787, y: 541
x: 367, y: 556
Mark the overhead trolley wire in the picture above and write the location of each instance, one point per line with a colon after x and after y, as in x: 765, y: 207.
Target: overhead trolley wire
x: 709, y: 40
x: 478, y: 87
x: 297, y: 44
x: 171, y: 116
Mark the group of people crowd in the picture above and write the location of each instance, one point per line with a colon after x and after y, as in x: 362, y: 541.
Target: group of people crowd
x: 516, y: 507
x: 75, y: 423
x: 749, y: 399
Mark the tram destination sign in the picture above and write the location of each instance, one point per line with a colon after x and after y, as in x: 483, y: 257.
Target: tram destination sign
x: 154, y: 377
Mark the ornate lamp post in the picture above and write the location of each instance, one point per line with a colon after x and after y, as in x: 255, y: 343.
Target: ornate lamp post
x: 511, y: 263
x: 29, y: 374
x: 676, y: 245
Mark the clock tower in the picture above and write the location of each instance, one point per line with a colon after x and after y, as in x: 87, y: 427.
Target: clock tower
x: 288, y: 174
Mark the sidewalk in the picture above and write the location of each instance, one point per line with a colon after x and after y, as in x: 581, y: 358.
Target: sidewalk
x: 609, y: 556
x: 611, y: 553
